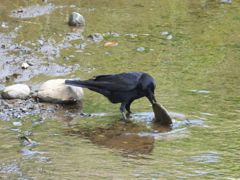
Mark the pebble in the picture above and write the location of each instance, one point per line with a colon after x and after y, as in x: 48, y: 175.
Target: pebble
x: 82, y: 46
x: 169, y: 37
x: 67, y: 44
x: 24, y: 109
x: 66, y: 58
x: 25, y: 65
x: 17, y: 123
x: 140, y: 49
x: 226, y: 1
x: 96, y: 37
x: 164, y: 33
x: 113, y: 34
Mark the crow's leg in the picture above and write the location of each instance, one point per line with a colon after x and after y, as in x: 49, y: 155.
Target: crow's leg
x: 122, y: 107
x: 128, y: 106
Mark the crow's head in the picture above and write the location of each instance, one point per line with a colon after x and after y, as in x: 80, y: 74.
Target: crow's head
x: 148, y: 86
x: 150, y: 92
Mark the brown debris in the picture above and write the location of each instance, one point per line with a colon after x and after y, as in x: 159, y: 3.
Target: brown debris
x: 25, y: 138
x: 161, y: 115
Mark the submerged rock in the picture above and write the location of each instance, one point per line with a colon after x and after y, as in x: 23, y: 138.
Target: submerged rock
x: 55, y: 91
x: 76, y: 19
x: 16, y: 91
x: 164, y: 33
x: 96, y: 37
x: 140, y: 49
x: 169, y: 37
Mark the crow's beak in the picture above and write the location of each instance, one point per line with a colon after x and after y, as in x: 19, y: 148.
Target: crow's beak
x: 151, y: 98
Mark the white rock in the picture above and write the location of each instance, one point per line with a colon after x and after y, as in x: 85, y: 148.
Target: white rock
x: 76, y: 19
x: 140, y: 49
x: 55, y: 91
x: 17, y: 123
x: 16, y: 91
x: 169, y: 37
x: 164, y: 33
x: 226, y: 1
x: 25, y: 65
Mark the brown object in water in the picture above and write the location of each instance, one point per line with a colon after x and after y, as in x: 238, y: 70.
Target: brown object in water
x: 161, y: 115
x: 26, y: 139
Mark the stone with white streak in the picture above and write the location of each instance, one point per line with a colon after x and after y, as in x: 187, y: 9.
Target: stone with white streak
x: 55, y: 91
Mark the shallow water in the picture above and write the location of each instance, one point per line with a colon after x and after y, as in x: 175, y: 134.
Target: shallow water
x: 197, y: 76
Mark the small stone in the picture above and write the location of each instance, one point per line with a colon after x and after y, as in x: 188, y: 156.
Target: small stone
x: 76, y: 19
x: 66, y: 58
x: 82, y: 46
x: 140, y: 49
x: 164, y: 33
x: 169, y: 37
x: 96, y: 37
x: 17, y: 123
x: 24, y: 109
x: 67, y: 44
x: 226, y: 1
x: 25, y: 65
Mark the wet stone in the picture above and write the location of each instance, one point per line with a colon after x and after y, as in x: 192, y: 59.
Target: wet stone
x: 55, y: 91
x: 161, y: 115
x: 140, y: 49
x: 96, y: 37
x: 76, y: 19
x: 66, y: 58
x: 113, y: 34
x: 16, y: 91
x: 74, y: 35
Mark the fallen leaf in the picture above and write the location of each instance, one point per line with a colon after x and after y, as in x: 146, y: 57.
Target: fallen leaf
x: 110, y: 44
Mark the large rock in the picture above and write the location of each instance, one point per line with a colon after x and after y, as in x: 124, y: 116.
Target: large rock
x: 55, y: 91
x: 16, y: 91
x: 76, y: 19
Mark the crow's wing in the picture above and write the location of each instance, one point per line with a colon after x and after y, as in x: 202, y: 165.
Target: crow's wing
x: 117, y: 82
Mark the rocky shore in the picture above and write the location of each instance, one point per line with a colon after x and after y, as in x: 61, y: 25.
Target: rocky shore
x: 19, y: 102
x: 20, y: 62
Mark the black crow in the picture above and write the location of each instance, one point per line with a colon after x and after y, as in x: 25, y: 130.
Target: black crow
x: 120, y: 88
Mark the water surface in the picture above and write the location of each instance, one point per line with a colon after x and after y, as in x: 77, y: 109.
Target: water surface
x: 197, y: 74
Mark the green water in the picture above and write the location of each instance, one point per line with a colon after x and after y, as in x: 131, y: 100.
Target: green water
x: 197, y: 75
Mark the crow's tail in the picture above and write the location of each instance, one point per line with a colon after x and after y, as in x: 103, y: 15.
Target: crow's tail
x: 78, y: 83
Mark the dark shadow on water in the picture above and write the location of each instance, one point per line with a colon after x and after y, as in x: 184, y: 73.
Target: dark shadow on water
x: 134, y: 138
x: 127, y: 137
